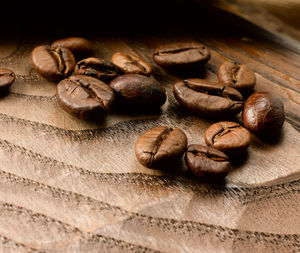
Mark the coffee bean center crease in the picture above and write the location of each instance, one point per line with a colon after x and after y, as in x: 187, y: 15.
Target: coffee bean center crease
x: 179, y: 50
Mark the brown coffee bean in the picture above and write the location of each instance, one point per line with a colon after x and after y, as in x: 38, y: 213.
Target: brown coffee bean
x: 102, y: 69
x: 263, y: 113
x: 84, y: 96
x: 181, y: 56
x: 208, y: 98
x: 238, y: 76
x: 131, y: 64
x: 139, y: 91
x: 160, y: 147
x: 7, y: 77
x: 205, y: 161
x: 80, y: 47
x: 53, y: 63
x: 227, y: 136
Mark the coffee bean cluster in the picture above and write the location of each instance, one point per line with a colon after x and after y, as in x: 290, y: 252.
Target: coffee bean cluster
x: 89, y: 87
x: 262, y: 113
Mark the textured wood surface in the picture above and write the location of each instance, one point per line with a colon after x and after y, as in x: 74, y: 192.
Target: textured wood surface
x: 68, y: 185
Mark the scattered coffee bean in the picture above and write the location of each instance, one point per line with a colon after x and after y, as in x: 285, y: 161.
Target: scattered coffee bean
x: 181, y: 56
x: 139, y: 91
x: 80, y: 47
x: 160, y: 146
x: 227, y: 136
x: 263, y: 113
x: 208, y: 98
x: 7, y: 77
x: 53, y: 63
x: 205, y: 161
x: 102, y: 69
x: 131, y: 64
x: 84, y: 96
x: 238, y: 76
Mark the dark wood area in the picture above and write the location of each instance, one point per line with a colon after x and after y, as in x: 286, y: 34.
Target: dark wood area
x: 68, y: 185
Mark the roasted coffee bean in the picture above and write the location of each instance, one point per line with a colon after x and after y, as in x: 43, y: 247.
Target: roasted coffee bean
x: 139, y: 91
x: 131, y: 64
x: 84, y: 96
x: 53, y: 63
x: 227, y: 136
x: 80, y: 47
x: 160, y: 146
x: 205, y: 161
x: 102, y: 69
x: 263, y: 113
x: 208, y: 98
x: 238, y: 76
x: 7, y: 77
x: 181, y: 56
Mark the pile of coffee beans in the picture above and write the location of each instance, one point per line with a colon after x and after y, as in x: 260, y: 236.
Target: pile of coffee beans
x: 89, y: 87
x: 262, y: 113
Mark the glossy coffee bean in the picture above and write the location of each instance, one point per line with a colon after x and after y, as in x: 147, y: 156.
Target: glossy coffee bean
x: 205, y: 161
x: 208, y: 98
x: 139, y: 91
x: 131, y: 64
x: 7, y: 77
x: 160, y: 147
x: 53, y: 63
x: 263, y: 113
x: 227, y: 136
x: 80, y: 47
x: 102, y: 69
x: 238, y: 76
x: 84, y: 96
x: 181, y: 56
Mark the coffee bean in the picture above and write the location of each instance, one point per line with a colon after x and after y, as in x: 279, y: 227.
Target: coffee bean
x: 138, y: 91
x: 7, y: 77
x: 131, y: 64
x: 84, y: 96
x: 102, y: 69
x: 263, y: 113
x: 80, y: 47
x: 160, y: 146
x: 238, y: 76
x: 181, y: 56
x: 53, y: 63
x: 227, y: 136
x: 208, y: 98
x: 205, y: 161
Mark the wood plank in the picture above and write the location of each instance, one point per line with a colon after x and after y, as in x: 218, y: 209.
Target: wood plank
x: 68, y: 185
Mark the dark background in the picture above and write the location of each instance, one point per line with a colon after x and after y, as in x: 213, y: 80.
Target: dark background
x: 68, y: 17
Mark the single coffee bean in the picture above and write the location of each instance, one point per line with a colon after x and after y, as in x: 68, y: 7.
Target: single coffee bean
x: 227, y: 136
x: 181, y: 56
x: 102, y: 69
x: 205, y: 161
x: 160, y: 146
x: 84, y: 96
x: 7, y: 77
x: 263, y: 113
x: 238, y: 76
x: 53, y: 63
x: 131, y: 64
x: 139, y: 91
x: 80, y: 47
x: 208, y: 98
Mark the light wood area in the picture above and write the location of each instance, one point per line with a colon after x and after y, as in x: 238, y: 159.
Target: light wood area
x: 68, y: 185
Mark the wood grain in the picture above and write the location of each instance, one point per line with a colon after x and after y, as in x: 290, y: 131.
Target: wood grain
x: 68, y: 185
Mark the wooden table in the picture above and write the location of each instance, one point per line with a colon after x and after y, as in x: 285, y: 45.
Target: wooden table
x: 67, y: 185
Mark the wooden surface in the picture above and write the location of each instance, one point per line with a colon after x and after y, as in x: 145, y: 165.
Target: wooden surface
x: 68, y: 185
